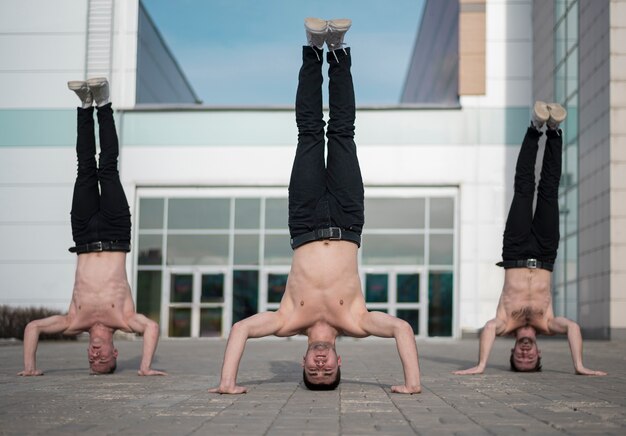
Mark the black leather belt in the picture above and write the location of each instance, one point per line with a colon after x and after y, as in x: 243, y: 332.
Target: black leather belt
x: 101, y: 246
x: 526, y: 263
x: 332, y: 233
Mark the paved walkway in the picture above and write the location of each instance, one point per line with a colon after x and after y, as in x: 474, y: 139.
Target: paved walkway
x: 67, y: 400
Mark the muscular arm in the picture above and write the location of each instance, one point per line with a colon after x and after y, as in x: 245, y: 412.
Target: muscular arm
x: 150, y: 330
x: 387, y: 326
x: 51, y: 325
x: 487, y: 337
x: 256, y: 326
x: 560, y: 325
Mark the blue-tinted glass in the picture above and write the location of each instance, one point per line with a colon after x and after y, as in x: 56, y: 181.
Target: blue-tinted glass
x: 151, y: 213
x: 245, y: 294
x: 181, y: 288
x: 247, y: 213
x: 212, y: 288
x: 408, y: 288
x: 198, y: 213
x: 197, y: 249
x: 440, y: 304
x: 376, y: 288
x: 276, y: 285
x: 211, y: 322
x: 150, y: 251
x: 180, y: 323
x: 149, y: 294
x: 276, y: 213
x: 411, y: 316
x: 246, y: 249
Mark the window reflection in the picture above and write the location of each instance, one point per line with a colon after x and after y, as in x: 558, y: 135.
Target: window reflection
x: 180, y: 323
x: 211, y: 322
x: 408, y: 288
x: 393, y: 249
x: 150, y: 250
x: 245, y: 294
x: 276, y: 285
x: 412, y: 317
x: 212, y: 288
x: 181, y: 288
x: 149, y: 294
x: 395, y: 213
x: 197, y: 249
x: 376, y: 288
x: 198, y: 213
x: 440, y: 304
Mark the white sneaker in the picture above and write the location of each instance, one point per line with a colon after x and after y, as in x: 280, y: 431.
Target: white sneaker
x: 557, y: 115
x: 316, y: 30
x: 81, y: 89
x: 99, y: 87
x: 336, y: 31
x: 540, y: 115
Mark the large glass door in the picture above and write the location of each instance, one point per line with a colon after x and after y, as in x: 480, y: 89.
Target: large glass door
x: 398, y: 292
x: 196, y: 303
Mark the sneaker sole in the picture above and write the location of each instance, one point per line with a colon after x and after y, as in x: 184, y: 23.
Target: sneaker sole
x: 541, y: 111
x: 75, y: 85
x: 557, y: 112
x: 96, y: 81
x: 340, y: 24
x: 315, y: 25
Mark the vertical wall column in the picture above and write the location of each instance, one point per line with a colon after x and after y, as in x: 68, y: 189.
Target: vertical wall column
x: 99, y: 38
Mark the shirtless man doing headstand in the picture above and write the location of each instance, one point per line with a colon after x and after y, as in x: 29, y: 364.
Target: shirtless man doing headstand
x: 323, y: 297
x: 101, y: 300
x: 529, y: 250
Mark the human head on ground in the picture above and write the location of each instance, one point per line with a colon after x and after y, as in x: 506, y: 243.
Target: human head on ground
x: 525, y: 354
x: 101, y: 353
x: 321, y: 367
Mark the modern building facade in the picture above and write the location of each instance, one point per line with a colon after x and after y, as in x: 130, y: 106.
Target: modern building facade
x: 209, y: 198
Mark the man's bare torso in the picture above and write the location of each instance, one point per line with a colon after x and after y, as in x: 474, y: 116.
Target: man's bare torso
x: 526, y: 300
x: 101, y: 292
x: 323, y: 287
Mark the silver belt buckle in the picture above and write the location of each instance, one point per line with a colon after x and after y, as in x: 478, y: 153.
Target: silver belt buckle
x: 531, y: 263
x: 335, y: 233
x: 98, y: 246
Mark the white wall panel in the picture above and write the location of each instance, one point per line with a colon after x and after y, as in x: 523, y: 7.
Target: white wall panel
x: 66, y: 16
x: 33, y: 204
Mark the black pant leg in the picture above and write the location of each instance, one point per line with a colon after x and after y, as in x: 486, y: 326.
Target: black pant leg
x: 545, y: 226
x: 519, y: 222
x: 308, y: 174
x: 114, y: 211
x: 86, y: 196
x: 344, y: 180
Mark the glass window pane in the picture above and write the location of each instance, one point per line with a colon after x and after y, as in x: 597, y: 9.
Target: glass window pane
x: 180, y: 323
x: 245, y: 294
x: 181, y: 288
x: 393, y: 249
x: 440, y: 304
x: 408, y: 288
x: 151, y: 213
x: 276, y: 284
x: 441, y: 248
x: 198, y: 213
x: 247, y: 213
x: 197, y: 249
x: 211, y: 322
x: 395, y: 213
x: 411, y: 316
x: 276, y: 213
x: 376, y: 288
x: 441, y: 213
x: 246, y: 250
x: 277, y: 250
x: 571, y: 258
x: 150, y: 250
x: 212, y: 288
x: 149, y: 294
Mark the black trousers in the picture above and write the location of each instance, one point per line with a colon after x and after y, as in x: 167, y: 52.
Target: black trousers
x: 535, y: 236
x: 99, y: 213
x: 325, y: 194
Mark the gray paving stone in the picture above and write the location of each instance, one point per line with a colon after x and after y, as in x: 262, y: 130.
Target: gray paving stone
x: 67, y: 400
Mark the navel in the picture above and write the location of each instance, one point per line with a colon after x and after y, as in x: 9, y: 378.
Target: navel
x: 301, y: 302
x: 341, y: 302
x: 112, y: 305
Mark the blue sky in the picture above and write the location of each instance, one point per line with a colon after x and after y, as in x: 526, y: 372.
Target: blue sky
x: 248, y: 52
